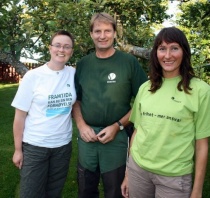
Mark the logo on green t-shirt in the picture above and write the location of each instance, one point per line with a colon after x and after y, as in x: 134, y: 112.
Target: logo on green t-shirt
x: 111, y: 78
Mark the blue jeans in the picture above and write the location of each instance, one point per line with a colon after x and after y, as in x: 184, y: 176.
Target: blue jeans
x: 44, y: 171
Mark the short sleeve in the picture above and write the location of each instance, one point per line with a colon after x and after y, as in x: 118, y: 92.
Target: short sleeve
x: 136, y: 111
x: 24, y: 95
x: 138, y: 77
x: 202, y: 117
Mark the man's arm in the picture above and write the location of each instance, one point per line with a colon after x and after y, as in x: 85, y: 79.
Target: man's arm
x: 86, y: 132
x: 108, y: 134
x: 201, y: 157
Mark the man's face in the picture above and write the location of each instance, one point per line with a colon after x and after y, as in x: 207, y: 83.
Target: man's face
x: 103, y: 35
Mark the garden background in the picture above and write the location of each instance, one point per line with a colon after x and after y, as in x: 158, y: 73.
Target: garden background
x: 25, y: 32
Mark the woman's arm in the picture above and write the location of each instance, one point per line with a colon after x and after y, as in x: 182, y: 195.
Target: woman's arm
x: 201, y: 158
x: 18, y: 128
x: 124, y: 185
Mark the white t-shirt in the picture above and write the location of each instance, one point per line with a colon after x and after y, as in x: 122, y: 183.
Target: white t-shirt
x: 48, y: 97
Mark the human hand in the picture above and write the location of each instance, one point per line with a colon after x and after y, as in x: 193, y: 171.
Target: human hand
x: 108, y: 134
x: 124, y: 188
x: 196, y: 193
x: 88, y: 134
x: 18, y: 159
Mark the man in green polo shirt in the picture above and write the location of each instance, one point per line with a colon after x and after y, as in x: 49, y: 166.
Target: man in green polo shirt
x: 105, y: 80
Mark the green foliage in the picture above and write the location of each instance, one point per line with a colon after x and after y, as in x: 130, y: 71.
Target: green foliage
x: 194, y: 20
x: 10, y: 30
x: 32, y: 22
x: 27, y: 26
x: 203, y: 72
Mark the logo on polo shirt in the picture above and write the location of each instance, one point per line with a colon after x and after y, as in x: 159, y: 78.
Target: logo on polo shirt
x: 111, y: 78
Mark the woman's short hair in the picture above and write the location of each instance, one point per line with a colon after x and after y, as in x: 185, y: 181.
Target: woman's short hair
x: 63, y: 32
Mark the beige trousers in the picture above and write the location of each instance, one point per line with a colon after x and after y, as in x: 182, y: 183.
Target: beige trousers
x: 144, y: 184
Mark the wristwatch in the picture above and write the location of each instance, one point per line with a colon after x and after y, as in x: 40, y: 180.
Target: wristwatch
x: 120, y: 125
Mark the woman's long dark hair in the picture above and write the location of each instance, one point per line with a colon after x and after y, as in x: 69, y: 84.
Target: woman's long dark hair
x: 169, y: 35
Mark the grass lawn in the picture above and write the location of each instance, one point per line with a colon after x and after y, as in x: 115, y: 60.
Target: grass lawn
x: 9, y: 174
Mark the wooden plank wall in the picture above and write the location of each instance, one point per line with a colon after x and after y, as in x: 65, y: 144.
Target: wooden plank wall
x: 9, y: 75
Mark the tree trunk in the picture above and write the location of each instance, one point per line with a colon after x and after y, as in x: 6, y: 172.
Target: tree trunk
x: 20, y: 68
x: 135, y: 50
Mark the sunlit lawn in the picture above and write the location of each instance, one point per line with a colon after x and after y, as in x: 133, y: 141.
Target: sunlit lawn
x: 9, y: 175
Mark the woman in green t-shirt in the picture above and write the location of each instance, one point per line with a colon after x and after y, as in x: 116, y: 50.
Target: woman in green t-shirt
x: 171, y: 117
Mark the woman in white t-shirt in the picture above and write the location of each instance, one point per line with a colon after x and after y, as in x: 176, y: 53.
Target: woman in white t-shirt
x: 43, y: 125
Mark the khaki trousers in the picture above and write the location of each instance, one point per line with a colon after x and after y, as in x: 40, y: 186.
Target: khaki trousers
x: 144, y: 184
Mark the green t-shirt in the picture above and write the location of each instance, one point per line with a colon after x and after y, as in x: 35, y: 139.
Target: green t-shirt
x: 168, y: 122
x: 105, y: 86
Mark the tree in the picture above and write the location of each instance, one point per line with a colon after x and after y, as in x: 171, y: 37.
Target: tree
x: 194, y: 20
x: 33, y: 21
